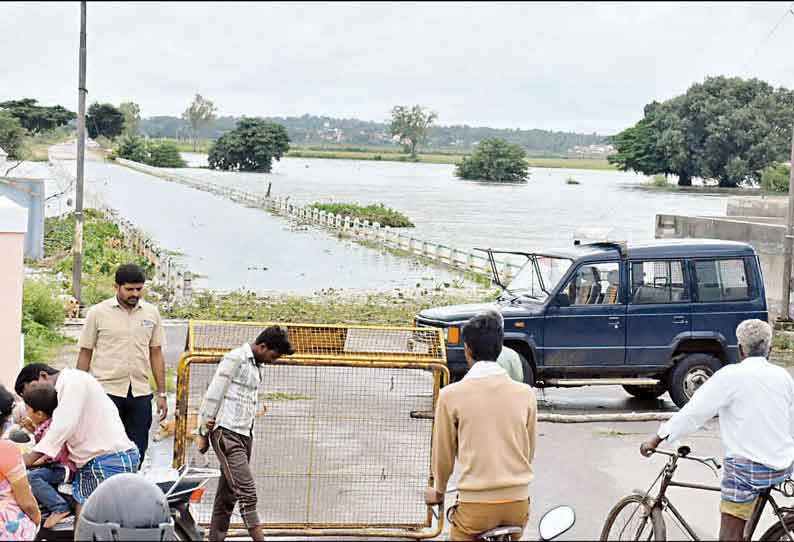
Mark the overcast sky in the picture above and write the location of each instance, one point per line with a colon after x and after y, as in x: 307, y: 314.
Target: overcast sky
x: 585, y: 67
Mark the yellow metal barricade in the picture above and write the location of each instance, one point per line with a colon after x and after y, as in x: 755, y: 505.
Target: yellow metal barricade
x: 342, y: 438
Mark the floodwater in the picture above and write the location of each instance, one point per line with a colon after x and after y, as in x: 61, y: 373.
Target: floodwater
x: 233, y: 247
x: 543, y: 213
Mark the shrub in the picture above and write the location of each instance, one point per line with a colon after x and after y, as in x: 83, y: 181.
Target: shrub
x: 775, y: 178
x: 495, y: 160
x: 165, y: 154
x: 42, y: 313
x: 41, y: 304
x: 374, y: 213
x: 153, y: 153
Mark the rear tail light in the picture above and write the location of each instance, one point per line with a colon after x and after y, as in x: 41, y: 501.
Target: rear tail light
x: 197, y: 495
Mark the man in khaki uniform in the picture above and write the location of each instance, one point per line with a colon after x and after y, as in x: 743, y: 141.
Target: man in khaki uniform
x: 122, y: 340
x: 487, y: 423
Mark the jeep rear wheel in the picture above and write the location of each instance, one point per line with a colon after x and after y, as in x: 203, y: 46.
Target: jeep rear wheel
x: 689, y: 374
x: 646, y: 392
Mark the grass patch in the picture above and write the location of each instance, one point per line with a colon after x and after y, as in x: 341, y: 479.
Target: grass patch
x: 369, y: 309
x: 783, y: 342
x: 616, y: 433
x: 42, y: 315
x: 203, y: 145
x: 35, y: 147
x: 374, y: 213
x: 659, y: 181
x: 103, y: 252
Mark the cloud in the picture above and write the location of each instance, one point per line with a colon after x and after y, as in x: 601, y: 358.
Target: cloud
x: 588, y: 67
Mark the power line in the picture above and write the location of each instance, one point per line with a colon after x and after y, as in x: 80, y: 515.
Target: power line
x: 789, y: 11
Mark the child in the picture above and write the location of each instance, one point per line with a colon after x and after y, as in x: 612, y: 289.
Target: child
x: 45, y: 476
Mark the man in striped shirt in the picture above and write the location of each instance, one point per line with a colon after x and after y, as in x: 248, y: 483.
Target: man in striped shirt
x: 226, y: 420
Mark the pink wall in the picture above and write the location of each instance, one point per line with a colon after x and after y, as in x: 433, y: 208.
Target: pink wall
x: 11, y: 278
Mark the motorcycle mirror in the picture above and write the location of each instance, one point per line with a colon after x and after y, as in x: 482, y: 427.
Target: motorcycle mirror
x: 556, y: 521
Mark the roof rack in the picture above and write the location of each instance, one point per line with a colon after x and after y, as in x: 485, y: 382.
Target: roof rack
x: 620, y: 246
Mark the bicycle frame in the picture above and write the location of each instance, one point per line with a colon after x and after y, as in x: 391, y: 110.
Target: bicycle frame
x: 663, y: 503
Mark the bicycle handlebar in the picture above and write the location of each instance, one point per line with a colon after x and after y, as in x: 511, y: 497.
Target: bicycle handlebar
x: 683, y: 453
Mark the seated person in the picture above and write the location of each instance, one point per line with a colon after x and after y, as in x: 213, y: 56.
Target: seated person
x: 87, y: 421
x: 48, y: 473
x: 19, y: 513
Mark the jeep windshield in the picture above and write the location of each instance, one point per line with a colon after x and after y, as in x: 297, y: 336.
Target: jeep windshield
x: 538, y: 277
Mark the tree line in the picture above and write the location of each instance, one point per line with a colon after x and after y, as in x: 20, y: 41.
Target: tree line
x: 726, y: 129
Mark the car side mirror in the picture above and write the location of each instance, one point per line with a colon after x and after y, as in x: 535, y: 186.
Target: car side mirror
x: 555, y: 522
x: 562, y: 300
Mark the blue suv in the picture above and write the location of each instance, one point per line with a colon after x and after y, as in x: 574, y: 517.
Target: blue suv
x: 655, y: 317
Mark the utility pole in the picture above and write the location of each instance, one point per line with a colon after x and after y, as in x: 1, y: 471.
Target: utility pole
x: 77, y: 249
x: 789, y: 239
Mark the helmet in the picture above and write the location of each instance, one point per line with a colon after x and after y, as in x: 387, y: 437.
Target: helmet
x: 125, y: 507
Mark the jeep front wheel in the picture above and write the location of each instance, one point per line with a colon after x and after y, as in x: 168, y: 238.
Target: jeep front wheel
x: 646, y: 392
x: 689, y: 374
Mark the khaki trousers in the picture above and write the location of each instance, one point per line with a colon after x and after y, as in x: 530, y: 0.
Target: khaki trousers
x: 470, y: 519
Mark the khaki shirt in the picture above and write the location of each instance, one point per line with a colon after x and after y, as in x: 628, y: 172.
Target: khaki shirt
x: 121, y: 340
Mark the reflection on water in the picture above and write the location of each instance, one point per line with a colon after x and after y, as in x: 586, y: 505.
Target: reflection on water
x: 544, y: 213
x: 239, y: 247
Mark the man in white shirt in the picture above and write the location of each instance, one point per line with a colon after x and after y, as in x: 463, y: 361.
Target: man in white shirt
x: 755, y: 403
x: 87, y: 422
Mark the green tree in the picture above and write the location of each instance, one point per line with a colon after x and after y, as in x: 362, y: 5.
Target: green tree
x: 251, y: 146
x: 199, y: 113
x: 11, y: 135
x: 132, y: 117
x: 775, y: 178
x: 104, y: 120
x: 411, y: 124
x: 728, y: 129
x: 495, y: 160
x: 37, y: 118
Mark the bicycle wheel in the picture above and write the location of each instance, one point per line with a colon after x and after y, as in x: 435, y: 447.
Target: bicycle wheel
x: 632, y: 518
x: 778, y: 532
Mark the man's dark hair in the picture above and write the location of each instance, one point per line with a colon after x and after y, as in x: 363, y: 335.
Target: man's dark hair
x: 276, y: 338
x: 42, y: 399
x: 483, y: 334
x: 130, y: 273
x: 30, y: 373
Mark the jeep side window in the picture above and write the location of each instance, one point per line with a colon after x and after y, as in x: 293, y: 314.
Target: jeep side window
x: 657, y: 282
x: 721, y: 280
x: 595, y: 284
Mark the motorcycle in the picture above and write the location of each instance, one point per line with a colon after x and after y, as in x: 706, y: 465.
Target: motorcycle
x: 553, y: 524
x: 181, y: 488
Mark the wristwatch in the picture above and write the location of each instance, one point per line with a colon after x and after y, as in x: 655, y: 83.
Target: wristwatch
x: 162, y: 395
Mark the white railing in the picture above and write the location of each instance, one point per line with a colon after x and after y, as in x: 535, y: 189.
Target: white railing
x: 363, y: 231
x: 170, y: 273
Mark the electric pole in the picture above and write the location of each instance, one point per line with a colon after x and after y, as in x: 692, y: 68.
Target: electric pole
x: 77, y: 249
x: 789, y: 239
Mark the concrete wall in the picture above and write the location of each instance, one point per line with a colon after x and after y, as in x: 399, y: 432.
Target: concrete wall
x: 29, y: 194
x: 13, y: 224
x: 772, y: 207
x: 766, y: 238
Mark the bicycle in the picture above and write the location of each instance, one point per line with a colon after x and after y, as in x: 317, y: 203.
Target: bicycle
x: 648, y: 511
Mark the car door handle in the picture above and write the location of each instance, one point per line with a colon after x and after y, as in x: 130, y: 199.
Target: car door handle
x: 680, y: 320
x: 614, y: 321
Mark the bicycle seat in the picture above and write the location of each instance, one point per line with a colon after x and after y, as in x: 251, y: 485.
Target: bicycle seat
x: 500, y: 532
